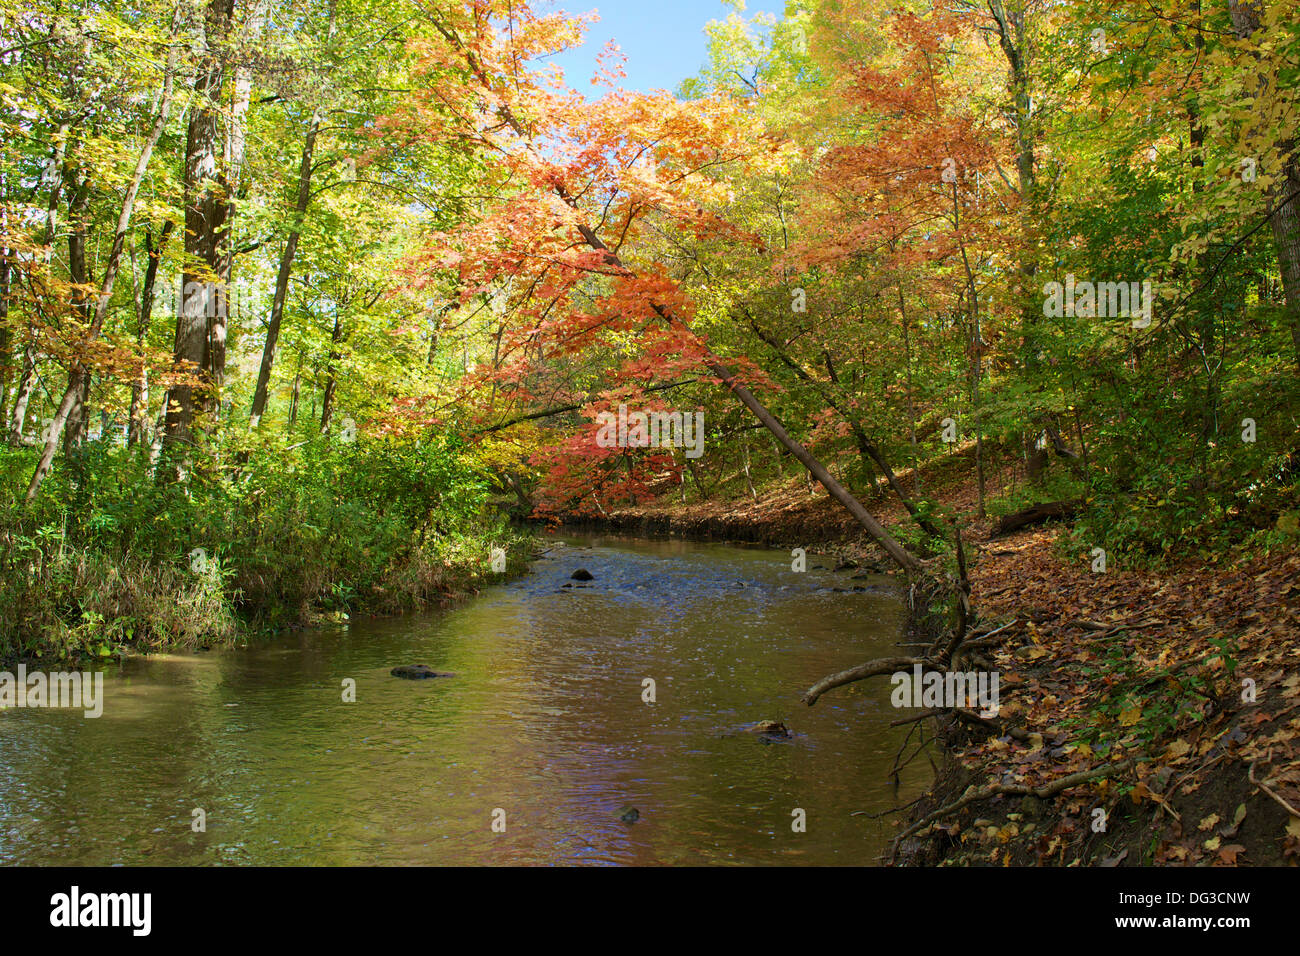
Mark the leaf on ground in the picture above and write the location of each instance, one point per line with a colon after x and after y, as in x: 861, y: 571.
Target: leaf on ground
x: 1229, y: 853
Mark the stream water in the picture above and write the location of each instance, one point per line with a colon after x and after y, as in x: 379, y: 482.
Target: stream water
x: 544, y: 726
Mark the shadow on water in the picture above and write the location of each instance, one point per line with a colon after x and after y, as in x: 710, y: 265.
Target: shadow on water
x: 544, y: 720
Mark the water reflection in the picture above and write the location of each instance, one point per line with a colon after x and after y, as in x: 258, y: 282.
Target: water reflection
x: 544, y: 720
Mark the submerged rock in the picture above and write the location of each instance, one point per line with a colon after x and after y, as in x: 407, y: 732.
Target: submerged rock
x: 417, y: 672
x: 582, y: 574
x: 630, y: 815
x: 770, y: 728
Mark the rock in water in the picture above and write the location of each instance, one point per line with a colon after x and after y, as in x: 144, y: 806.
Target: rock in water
x: 771, y: 728
x: 582, y: 574
x: 630, y: 815
x: 417, y: 672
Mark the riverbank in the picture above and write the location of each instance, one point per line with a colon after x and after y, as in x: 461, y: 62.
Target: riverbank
x: 84, y: 605
x: 1147, y: 717
x: 110, y: 559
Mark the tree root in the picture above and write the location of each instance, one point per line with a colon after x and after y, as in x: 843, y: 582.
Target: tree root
x: 973, y: 796
x: 1250, y: 774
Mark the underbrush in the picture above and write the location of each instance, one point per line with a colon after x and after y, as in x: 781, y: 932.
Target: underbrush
x: 113, y: 554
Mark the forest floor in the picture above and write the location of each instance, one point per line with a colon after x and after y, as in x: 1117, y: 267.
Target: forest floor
x: 1143, y: 676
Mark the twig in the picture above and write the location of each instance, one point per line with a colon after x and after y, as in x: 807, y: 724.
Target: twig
x: 885, y: 813
x: 1250, y: 774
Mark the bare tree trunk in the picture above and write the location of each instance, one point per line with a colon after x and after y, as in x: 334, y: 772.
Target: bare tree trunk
x: 911, y: 407
x: 6, y: 335
x: 23, y: 395
x: 27, y: 381
x: 293, y: 398
x: 977, y: 348
x: 864, y: 444
x: 140, y: 390
x: 1013, y: 37
x: 282, y: 277
x: 749, y: 481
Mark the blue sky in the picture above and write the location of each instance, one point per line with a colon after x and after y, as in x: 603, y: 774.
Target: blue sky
x: 663, y: 40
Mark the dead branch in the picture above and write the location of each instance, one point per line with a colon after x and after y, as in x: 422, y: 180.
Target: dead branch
x: 882, y: 665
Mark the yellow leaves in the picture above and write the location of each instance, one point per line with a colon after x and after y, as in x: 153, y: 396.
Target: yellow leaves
x: 1179, y: 748
x: 1208, y: 823
x: 1130, y: 715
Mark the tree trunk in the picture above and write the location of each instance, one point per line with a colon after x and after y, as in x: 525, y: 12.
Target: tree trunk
x: 78, y: 210
x: 23, y: 395
x: 327, y: 403
x: 282, y: 277
x: 235, y: 152
x: 1284, y: 196
x: 27, y: 381
x: 864, y: 444
x: 6, y: 336
x: 207, y: 209
x: 911, y: 407
x: 293, y: 398
x: 140, y: 390
x: 837, y: 491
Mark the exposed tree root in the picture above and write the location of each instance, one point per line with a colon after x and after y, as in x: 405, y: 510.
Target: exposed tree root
x: 973, y: 795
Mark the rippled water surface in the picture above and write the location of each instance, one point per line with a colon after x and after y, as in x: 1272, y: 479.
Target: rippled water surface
x: 544, y: 719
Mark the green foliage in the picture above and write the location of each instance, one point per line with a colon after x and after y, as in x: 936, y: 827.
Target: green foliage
x: 106, y: 556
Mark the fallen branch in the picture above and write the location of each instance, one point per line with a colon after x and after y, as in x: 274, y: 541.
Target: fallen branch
x: 882, y: 665
x: 1036, y: 514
